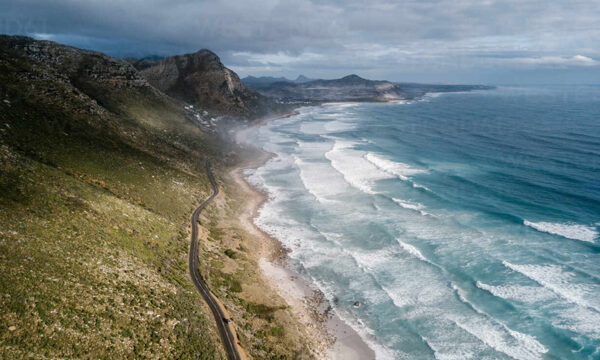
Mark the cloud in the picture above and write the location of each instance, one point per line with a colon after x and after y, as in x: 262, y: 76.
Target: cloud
x: 577, y: 60
x: 278, y: 58
x: 384, y: 38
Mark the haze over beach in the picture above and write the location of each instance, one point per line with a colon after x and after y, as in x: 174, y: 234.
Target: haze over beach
x: 299, y: 179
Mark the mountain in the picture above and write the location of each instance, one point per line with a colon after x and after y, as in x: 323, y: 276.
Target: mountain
x: 99, y: 173
x: 266, y: 81
x: 92, y: 92
x: 144, y: 62
x: 349, y: 88
x: 353, y: 88
x: 302, y: 79
x: 254, y: 82
x: 86, y: 144
x: 201, y: 79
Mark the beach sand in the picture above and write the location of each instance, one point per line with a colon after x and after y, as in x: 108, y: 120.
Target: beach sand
x: 331, y: 338
x: 342, y: 342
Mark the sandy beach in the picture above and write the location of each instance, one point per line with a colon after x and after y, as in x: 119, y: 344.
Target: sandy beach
x: 331, y: 338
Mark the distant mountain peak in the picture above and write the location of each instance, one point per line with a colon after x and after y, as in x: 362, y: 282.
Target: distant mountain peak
x: 353, y: 77
x: 301, y: 79
x: 262, y: 81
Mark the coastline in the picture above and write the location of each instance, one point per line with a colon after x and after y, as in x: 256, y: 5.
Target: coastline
x: 330, y: 337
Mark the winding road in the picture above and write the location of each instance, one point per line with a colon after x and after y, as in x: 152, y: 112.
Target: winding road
x: 227, y: 334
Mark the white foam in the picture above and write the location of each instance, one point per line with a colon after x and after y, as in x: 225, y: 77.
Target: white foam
x: 408, y: 205
x: 313, y: 127
x: 256, y: 177
x: 338, y: 125
x: 560, y: 282
x: 372, y: 259
x: 417, y: 186
x: 519, y: 346
x: 527, y: 294
x: 579, y: 320
x: 494, y: 333
x: 412, y: 250
x: 320, y: 180
x: 312, y: 149
x: 366, y: 333
x: 340, y: 105
x: 446, y: 351
x: 569, y: 231
x: 430, y: 95
x: 411, y: 206
x: 398, y: 300
x: 351, y: 164
x: 401, y: 170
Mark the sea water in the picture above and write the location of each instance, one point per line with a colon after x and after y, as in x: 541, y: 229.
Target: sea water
x: 466, y: 224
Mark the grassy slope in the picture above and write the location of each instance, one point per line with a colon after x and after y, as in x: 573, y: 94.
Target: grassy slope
x: 97, y: 184
x: 93, y: 261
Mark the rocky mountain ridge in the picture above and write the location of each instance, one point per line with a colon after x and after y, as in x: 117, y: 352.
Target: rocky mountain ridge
x: 72, y: 63
x: 82, y: 93
x: 202, y: 80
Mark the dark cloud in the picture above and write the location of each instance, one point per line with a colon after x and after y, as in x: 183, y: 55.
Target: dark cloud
x: 455, y: 40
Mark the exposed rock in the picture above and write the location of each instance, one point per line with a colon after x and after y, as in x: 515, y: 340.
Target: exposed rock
x: 76, y: 64
x: 201, y: 79
x: 145, y: 62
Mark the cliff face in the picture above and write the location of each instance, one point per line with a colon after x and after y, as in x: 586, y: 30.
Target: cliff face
x: 201, y: 79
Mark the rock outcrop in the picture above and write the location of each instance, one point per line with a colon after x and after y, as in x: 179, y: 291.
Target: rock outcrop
x: 201, y: 79
x: 144, y: 62
x: 74, y: 64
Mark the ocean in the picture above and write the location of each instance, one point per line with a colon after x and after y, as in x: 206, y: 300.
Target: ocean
x: 466, y: 224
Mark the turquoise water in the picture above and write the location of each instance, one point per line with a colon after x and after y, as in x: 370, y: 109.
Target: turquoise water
x: 466, y: 224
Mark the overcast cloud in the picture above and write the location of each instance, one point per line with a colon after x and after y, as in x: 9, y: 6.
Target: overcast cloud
x: 488, y: 41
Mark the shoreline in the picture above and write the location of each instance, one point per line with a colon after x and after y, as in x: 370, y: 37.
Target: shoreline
x: 329, y: 335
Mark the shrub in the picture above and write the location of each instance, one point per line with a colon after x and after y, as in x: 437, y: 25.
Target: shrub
x: 232, y: 254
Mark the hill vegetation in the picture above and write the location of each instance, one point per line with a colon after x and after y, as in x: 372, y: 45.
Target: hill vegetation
x: 99, y: 173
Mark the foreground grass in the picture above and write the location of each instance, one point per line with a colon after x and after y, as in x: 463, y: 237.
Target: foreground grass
x: 88, y: 274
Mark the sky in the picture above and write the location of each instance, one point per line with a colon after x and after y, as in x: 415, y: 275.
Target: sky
x: 444, y: 41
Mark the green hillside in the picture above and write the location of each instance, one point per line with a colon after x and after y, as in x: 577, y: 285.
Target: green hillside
x: 99, y: 174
